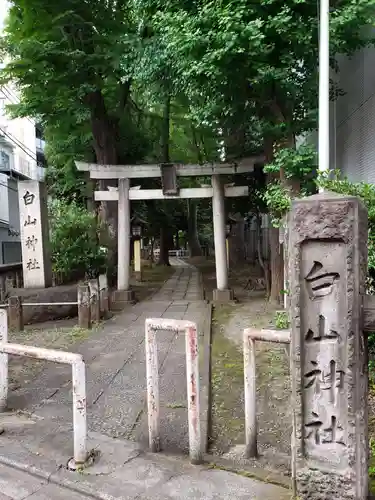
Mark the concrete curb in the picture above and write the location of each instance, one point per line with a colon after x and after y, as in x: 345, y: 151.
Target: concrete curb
x: 242, y: 469
x: 48, y: 477
x: 90, y: 492
x: 205, y: 370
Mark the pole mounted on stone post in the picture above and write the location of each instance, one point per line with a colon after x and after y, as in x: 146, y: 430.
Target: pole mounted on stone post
x: 328, y: 265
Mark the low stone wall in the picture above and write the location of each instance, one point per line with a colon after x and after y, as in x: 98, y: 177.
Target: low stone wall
x: 40, y: 314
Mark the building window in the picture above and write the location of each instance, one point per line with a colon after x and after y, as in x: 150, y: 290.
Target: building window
x: 4, y: 161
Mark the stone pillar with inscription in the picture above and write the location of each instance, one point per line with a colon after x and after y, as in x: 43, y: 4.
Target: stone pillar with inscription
x: 36, y: 262
x: 328, y: 264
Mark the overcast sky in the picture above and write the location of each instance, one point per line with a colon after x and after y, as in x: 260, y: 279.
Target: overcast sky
x: 3, y: 12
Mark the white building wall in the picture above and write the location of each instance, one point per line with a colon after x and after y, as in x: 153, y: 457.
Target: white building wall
x: 353, y: 117
x: 18, y: 140
x: 20, y: 133
x: 4, y: 202
x: 10, y: 244
x: 20, y: 145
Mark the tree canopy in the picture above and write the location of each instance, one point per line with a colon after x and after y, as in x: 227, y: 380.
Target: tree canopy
x: 118, y: 81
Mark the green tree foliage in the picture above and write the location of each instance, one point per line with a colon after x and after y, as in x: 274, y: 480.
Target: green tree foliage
x: 278, y: 197
x: 250, y: 69
x: 73, y: 63
x: 298, y: 167
x: 255, y: 58
x: 334, y: 181
x: 101, y: 75
x: 75, y: 241
x: 97, y: 77
x: 66, y: 142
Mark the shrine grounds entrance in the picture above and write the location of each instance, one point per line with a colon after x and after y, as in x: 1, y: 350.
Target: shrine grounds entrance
x: 169, y: 174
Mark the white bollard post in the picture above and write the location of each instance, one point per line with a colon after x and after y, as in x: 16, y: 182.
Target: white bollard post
x: 79, y: 413
x: 189, y: 329
x: 152, y: 370
x: 250, y: 397
x: 192, y: 377
x: 3, y: 361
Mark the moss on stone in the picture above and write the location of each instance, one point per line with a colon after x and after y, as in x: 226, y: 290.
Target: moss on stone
x: 226, y: 384
x: 273, y: 386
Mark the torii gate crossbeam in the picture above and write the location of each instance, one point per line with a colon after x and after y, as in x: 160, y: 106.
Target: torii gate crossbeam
x: 124, y: 194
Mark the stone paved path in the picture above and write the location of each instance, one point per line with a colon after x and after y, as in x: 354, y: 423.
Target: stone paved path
x: 116, y: 371
x: 38, y: 441
x: 185, y: 284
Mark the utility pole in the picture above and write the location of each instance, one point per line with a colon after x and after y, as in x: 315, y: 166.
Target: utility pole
x: 323, y: 157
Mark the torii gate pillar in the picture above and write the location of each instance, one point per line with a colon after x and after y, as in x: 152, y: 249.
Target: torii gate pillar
x: 222, y: 292
x: 123, y: 294
x: 171, y: 191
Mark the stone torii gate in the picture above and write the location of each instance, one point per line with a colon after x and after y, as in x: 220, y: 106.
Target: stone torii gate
x: 168, y: 174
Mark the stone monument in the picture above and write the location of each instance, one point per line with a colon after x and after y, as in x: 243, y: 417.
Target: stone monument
x: 327, y: 266
x: 36, y: 262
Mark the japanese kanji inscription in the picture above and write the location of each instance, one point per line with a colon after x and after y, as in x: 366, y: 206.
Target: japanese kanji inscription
x: 31, y: 242
x: 34, y: 235
x: 327, y: 268
x: 323, y: 367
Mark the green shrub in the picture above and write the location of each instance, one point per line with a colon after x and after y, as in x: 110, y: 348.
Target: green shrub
x: 75, y: 249
x: 299, y: 165
x: 333, y: 181
x: 281, y: 320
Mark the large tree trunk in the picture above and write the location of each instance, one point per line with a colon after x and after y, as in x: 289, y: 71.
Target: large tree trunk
x: 164, y: 232
x: 166, y: 130
x: 104, y: 132
x: 164, y: 247
x: 193, y: 239
x: 276, y: 250
x: 277, y: 266
x: 264, y: 265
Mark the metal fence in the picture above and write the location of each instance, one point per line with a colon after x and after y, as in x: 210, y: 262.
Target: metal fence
x: 250, y: 336
x: 189, y: 329
x: 78, y: 384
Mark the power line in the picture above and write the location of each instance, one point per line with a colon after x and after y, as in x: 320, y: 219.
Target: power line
x: 7, y: 186
x: 8, y: 94
x: 21, y: 146
x: 16, y: 141
x: 19, y: 143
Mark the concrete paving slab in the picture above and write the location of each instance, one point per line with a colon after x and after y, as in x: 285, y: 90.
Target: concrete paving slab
x: 17, y: 485
x: 116, y: 392
x: 53, y: 492
x: 122, y: 471
x: 215, y: 484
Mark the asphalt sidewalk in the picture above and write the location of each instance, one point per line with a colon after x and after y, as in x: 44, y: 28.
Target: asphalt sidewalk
x: 123, y: 471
